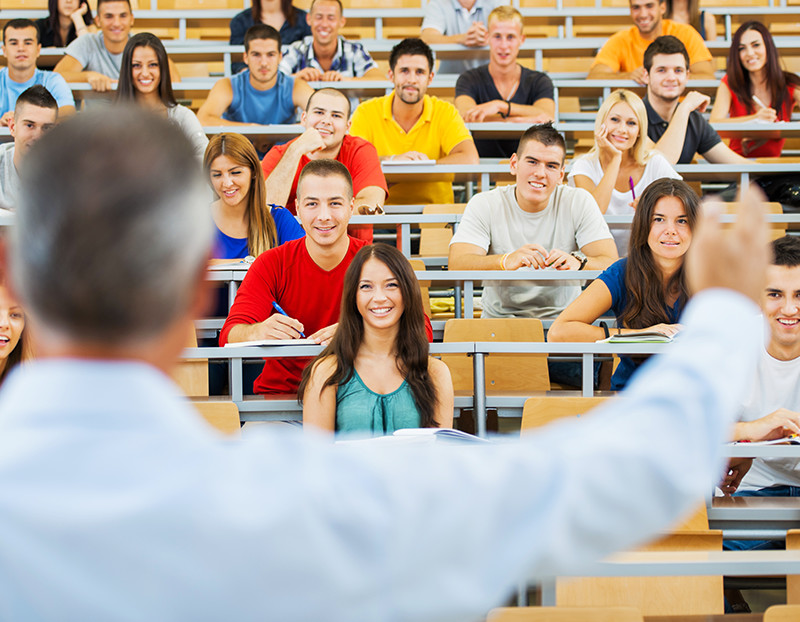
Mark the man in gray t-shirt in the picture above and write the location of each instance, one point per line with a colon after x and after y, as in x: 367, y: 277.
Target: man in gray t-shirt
x: 36, y: 112
x: 458, y: 21
x: 538, y: 224
x: 96, y: 57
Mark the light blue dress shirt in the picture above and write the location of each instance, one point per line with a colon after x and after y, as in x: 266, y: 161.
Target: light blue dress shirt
x: 117, y: 502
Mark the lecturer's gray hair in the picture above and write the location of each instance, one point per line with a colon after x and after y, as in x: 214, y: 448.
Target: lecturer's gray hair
x: 113, y: 227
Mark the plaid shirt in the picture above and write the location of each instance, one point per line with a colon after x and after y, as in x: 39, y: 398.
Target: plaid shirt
x: 351, y: 59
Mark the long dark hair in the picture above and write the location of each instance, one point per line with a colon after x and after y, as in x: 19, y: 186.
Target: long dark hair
x: 695, y: 14
x: 777, y: 79
x: 646, y: 292
x: 126, y: 91
x: 287, y: 9
x: 55, y: 27
x: 411, y: 347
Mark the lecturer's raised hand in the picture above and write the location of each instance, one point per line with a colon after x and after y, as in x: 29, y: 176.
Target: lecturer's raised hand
x: 735, y: 259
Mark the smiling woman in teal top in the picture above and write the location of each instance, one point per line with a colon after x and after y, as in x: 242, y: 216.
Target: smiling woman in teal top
x: 376, y: 376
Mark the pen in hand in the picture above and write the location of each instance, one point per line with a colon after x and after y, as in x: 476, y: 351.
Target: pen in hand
x: 633, y: 194
x: 277, y: 307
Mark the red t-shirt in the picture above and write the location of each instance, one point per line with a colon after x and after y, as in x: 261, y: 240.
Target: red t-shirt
x: 759, y: 147
x: 287, y: 275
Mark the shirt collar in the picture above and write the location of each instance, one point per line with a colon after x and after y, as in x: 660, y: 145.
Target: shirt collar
x: 653, y: 118
x: 427, y: 109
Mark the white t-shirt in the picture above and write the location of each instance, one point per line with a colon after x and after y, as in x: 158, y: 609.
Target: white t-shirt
x: 9, y: 178
x: 494, y: 221
x: 657, y: 167
x: 185, y: 119
x: 777, y: 385
x: 90, y: 51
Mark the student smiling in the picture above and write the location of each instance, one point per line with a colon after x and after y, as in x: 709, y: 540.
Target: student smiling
x: 619, y: 167
x: 647, y: 290
x: 376, y: 376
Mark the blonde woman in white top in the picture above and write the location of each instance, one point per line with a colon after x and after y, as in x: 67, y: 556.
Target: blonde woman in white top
x: 619, y: 167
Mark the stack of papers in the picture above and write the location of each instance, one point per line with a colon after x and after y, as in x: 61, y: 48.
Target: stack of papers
x: 646, y: 337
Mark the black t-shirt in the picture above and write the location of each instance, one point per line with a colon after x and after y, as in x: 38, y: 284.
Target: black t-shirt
x: 478, y: 84
x: 700, y: 136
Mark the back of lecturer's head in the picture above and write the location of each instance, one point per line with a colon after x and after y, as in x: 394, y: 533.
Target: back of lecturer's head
x: 786, y: 251
x: 112, y: 229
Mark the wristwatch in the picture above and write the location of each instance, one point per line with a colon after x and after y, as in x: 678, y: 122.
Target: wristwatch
x: 581, y: 258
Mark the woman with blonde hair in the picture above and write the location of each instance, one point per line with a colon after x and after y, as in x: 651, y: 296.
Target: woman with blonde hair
x: 619, y: 167
x: 245, y: 223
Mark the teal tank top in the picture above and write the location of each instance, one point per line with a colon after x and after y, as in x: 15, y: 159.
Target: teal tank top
x: 358, y: 409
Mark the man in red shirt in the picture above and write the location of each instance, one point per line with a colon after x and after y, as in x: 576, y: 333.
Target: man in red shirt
x: 326, y: 119
x: 305, y: 277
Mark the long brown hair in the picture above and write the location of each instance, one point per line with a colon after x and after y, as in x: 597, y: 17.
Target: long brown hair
x: 647, y: 293
x: 261, y: 232
x: 126, y: 90
x: 411, y: 346
x: 777, y: 79
x: 695, y: 15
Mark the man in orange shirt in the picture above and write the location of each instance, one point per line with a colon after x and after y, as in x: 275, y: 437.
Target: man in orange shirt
x: 623, y: 54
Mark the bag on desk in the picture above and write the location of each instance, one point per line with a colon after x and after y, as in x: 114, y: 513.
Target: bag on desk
x: 783, y: 188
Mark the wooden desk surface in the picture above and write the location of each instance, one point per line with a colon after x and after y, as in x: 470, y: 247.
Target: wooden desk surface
x: 731, y: 617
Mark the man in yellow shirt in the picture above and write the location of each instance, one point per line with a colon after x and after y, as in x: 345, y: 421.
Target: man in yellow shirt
x: 408, y: 125
x: 623, y: 54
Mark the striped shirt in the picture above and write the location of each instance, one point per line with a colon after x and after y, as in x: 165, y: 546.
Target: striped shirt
x: 351, y: 59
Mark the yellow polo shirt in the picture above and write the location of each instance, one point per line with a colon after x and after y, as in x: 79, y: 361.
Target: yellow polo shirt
x: 624, y: 51
x: 436, y: 133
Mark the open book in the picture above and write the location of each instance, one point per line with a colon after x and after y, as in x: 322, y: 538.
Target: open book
x: 792, y: 439
x: 647, y: 337
x: 440, y: 434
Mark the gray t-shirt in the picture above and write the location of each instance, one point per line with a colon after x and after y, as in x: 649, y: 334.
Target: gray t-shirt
x: 9, y: 178
x: 450, y: 18
x: 494, y: 221
x: 90, y: 51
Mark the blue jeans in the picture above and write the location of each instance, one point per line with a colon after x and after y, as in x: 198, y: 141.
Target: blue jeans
x: 761, y: 545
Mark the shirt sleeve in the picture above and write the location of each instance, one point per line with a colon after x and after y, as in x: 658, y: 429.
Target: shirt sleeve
x: 590, y: 226
x: 614, y: 279
x: 80, y: 50
x: 239, y: 25
x: 698, y: 52
x: 582, y: 166
x: 475, y: 226
x: 286, y: 225
x: 362, y: 61
x: 467, y: 85
x: 541, y: 87
x: 453, y: 129
x: 435, y: 18
x: 291, y: 61
x: 274, y: 156
x: 611, y: 53
x: 59, y: 89
x: 709, y: 137
x: 662, y: 168
x: 254, y: 296
x: 363, y: 121
x: 365, y: 167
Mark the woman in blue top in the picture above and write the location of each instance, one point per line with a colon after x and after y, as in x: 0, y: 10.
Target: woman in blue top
x: 376, y: 376
x: 647, y: 290
x: 245, y: 224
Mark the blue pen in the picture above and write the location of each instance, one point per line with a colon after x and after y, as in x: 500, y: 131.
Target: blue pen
x: 277, y: 307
